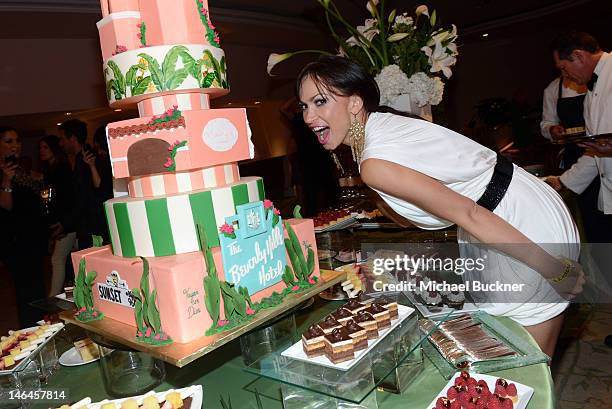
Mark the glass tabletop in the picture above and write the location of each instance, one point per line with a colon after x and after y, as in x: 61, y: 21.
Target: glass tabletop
x: 398, y: 346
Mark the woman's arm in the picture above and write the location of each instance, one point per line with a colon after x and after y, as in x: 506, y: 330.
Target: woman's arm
x: 435, y: 198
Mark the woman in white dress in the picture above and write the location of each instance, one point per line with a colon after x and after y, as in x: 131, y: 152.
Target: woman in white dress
x: 435, y: 177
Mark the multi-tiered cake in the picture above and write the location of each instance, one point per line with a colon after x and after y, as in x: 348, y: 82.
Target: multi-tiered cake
x: 195, y: 248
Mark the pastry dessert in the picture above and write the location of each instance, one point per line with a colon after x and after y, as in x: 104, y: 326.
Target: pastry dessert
x: 368, y: 322
x: 380, y: 314
x: 364, y: 299
x: 329, y: 324
x: 313, y: 341
x: 455, y: 299
x: 329, y: 218
x: 18, y: 345
x: 339, y: 346
x: 354, y: 306
x: 342, y: 315
x: 389, y: 304
x: 358, y: 335
x: 87, y: 349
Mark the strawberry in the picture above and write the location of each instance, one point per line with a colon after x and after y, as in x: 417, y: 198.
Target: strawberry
x: 455, y: 405
x: 507, y: 404
x: 465, y: 375
x: 452, y: 393
x: 483, y: 384
x: 442, y: 403
x: 511, y: 390
x: 472, y: 382
x: 500, y: 390
x: 459, y: 381
x: 481, y: 404
x: 463, y: 397
x: 494, y: 404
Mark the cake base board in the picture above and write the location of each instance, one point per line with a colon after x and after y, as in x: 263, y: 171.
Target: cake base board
x: 182, y: 354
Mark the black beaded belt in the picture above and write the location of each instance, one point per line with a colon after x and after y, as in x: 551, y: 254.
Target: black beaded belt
x: 496, y: 189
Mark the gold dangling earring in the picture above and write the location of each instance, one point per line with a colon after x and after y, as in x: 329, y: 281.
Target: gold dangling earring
x: 356, y: 133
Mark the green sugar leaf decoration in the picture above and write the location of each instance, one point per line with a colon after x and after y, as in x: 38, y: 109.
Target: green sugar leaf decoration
x: 97, y: 240
x: 296, y: 212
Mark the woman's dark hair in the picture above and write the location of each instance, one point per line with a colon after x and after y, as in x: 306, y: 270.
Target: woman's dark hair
x: 344, y: 77
x: 5, y: 129
x: 52, y: 142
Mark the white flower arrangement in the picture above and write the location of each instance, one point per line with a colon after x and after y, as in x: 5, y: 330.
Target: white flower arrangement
x: 392, y: 45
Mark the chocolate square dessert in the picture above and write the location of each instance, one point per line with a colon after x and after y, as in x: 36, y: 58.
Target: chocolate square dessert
x: 380, y: 314
x: 364, y: 299
x: 342, y: 315
x: 389, y: 304
x: 367, y: 321
x: 354, y: 306
x: 313, y: 341
x: 329, y: 324
x: 358, y: 335
x: 339, y: 346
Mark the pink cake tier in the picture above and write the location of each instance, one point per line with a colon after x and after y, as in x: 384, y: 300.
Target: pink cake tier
x: 130, y: 24
x: 184, y: 102
x: 177, y: 280
x: 212, y: 137
x: 166, y: 225
x: 183, y: 182
x: 134, y: 75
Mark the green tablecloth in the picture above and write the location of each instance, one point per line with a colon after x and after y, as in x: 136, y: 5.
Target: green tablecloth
x: 221, y: 373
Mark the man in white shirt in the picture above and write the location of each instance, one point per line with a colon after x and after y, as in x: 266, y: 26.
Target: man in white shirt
x: 580, y: 58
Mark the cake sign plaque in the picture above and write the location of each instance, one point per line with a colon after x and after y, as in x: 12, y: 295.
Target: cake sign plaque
x: 116, y: 290
x: 256, y: 257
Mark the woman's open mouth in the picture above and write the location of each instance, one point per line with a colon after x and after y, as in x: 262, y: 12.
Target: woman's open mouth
x: 322, y: 133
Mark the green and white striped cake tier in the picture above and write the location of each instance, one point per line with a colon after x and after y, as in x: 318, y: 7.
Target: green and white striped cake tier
x: 166, y: 225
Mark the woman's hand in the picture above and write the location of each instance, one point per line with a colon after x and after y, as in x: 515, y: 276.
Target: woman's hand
x: 8, y: 172
x: 571, y: 285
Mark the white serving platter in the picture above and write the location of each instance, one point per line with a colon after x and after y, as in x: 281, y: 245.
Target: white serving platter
x: 73, y: 358
x: 524, y: 392
x: 296, y: 351
x: 39, y: 343
x: 434, y: 313
x: 195, y: 391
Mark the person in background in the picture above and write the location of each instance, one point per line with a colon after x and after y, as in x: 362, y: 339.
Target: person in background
x: 104, y: 183
x: 563, y: 108
x: 580, y: 58
x: 58, y: 178
x: 23, y: 234
x: 81, y: 219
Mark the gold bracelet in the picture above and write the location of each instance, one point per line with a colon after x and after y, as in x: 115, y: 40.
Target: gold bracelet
x: 566, y: 271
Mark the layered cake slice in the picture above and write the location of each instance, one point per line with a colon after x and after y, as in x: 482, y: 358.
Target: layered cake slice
x: 342, y: 315
x: 339, y: 346
x: 329, y: 324
x: 358, y: 335
x: 390, y: 305
x: 313, y: 341
x: 380, y: 314
x: 354, y: 306
x: 365, y: 320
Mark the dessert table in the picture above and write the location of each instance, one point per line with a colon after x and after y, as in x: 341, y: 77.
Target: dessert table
x: 222, y: 374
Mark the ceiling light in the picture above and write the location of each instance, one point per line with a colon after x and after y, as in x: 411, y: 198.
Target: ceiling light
x: 68, y: 113
x: 118, y: 110
x: 257, y: 102
x: 59, y: 124
x: 485, y: 35
x: 229, y: 103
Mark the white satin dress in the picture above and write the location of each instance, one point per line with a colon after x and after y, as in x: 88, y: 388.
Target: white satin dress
x: 529, y: 205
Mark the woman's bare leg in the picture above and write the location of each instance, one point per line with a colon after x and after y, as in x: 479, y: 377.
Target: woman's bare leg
x: 546, y: 333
